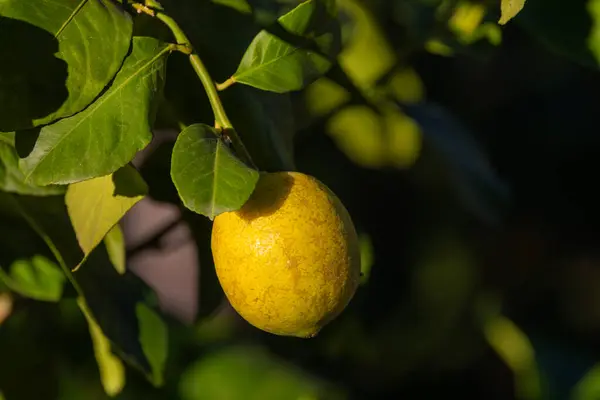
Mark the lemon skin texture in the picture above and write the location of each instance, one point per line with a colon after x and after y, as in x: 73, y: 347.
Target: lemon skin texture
x: 288, y: 260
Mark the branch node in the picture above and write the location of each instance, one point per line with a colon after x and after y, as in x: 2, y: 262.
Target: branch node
x: 142, y: 9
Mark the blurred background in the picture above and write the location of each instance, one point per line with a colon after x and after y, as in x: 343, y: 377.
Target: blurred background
x: 465, y: 152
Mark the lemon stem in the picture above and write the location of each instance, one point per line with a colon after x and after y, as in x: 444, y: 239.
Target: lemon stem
x: 222, y: 122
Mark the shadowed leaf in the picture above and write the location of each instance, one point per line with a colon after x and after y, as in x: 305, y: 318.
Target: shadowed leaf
x: 109, y: 133
x: 67, y: 52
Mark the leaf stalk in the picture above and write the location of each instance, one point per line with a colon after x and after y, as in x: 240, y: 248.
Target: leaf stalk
x: 184, y: 45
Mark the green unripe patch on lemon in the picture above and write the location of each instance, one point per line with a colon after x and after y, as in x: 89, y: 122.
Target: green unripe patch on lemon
x: 289, y: 259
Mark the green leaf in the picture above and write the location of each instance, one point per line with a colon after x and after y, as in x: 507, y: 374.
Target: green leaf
x: 57, y: 57
x: 588, y: 386
x: 108, y: 133
x: 368, y: 54
x: 221, y: 51
x: 115, y: 247
x: 112, y: 370
x: 516, y: 350
x: 7, y: 138
x: 95, y: 206
x: 593, y: 8
x: 209, y: 179
x: 12, y: 179
x: 386, y: 138
x: 112, y: 299
x: 238, y: 5
x: 153, y: 337
x: 115, y: 301
x: 273, y: 64
x: 509, y: 9
x: 37, y: 278
x: 250, y: 373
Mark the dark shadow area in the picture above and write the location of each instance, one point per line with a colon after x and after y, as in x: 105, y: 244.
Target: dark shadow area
x: 32, y: 78
x: 127, y: 182
x: 565, y: 32
x: 39, y: 324
x: 264, y: 121
x: 270, y: 193
x: 112, y: 298
x: 210, y: 294
x: 156, y: 172
x: 25, y: 141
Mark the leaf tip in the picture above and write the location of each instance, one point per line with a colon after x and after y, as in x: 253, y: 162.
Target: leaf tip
x: 509, y: 10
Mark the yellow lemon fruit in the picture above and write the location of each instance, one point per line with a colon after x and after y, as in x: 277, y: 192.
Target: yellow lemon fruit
x: 289, y: 259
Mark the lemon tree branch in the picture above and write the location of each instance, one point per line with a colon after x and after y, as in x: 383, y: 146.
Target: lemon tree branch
x: 222, y: 122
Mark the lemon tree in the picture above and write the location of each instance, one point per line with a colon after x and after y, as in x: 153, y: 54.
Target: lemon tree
x: 281, y: 132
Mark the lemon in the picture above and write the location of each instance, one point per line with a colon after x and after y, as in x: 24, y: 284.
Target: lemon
x: 289, y: 259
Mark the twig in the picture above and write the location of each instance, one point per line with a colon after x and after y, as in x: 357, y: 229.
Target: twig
x: 154, y: 241
x: 222, y: 122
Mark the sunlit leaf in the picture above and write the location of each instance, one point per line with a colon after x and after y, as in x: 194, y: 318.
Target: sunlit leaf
x: 357, y: 131
x: 37, y: 278
x: 57, y: 57
x: 373, y: 140
x: 368, y: 55
x: 406, y: 86
x: 403, y: 138
x: 270, y: 63
x: 438, y: 47
x: 106, y: 135
x: 469, y: 24
x: 515, y: 348
x: 112, y: 370
x: 593, y: 7
x: 509, y: 9
x: 323, y: 96
x: 209, y: 179
x: 115, y: 247
x: 467, y: 17
x: 95, y: 206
